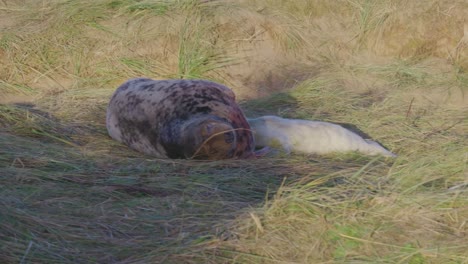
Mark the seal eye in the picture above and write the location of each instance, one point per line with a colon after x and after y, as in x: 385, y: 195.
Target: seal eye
x: 210, y: 128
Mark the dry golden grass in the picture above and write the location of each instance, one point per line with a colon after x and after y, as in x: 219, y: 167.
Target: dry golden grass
x: 398, y: 70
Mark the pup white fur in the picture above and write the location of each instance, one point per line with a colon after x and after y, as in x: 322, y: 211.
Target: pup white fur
x: 310, y: 137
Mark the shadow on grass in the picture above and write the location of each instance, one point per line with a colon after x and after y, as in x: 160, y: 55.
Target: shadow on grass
x: 70, y: 194
x: 276, y: 104
x: 66, y: 198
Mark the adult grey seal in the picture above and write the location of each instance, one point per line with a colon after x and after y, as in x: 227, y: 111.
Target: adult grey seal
x: 179, y: 119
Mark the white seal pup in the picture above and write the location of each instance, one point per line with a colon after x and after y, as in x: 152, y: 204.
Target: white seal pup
x: 295, y: 135
x: 179, y: 119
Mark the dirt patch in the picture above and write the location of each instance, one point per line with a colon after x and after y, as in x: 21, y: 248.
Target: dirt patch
x: 6, y: 20
x: 16, y: 98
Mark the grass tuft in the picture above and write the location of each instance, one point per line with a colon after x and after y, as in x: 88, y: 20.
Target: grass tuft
x: 197, y: 54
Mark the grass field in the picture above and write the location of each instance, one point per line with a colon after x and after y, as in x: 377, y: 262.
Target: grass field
x: 398, y: 70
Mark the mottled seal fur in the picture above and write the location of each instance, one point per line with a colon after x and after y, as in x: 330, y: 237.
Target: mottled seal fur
x: 179, y: 119
x: 295, y: 135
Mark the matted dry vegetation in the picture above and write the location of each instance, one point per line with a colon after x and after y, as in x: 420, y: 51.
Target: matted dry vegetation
x: 395, y: 69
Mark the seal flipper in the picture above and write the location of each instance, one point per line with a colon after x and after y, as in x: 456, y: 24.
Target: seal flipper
x: 376, y: 148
